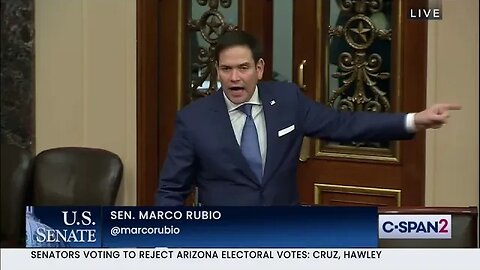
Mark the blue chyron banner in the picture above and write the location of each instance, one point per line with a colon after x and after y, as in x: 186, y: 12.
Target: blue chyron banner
x: 203, y: 227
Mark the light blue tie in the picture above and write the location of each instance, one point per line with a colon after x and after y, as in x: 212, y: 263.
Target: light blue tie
x: 249, y: 143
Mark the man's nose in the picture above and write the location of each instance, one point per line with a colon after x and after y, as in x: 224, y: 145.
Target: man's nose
x: 234, y: 76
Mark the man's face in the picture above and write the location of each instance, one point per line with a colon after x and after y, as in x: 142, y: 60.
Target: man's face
x: 238, y: 73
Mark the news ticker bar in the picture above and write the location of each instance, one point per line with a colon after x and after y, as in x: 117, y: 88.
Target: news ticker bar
x: 232, y: 259
x: 225, y: 227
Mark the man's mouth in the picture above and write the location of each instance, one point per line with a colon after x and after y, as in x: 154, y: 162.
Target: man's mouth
x: 235, y: 88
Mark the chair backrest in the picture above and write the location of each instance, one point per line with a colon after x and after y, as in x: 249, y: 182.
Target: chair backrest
x: 15, y: 186
x: 76, y: 176
x: 464, y: 228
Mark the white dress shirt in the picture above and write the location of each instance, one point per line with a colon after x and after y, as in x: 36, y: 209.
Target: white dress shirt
x: 237, y: 118
x: 410, y: 123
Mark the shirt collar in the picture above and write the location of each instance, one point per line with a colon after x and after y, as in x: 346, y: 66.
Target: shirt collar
x: 253, y: 100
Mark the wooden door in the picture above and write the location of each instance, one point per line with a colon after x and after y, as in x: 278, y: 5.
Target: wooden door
x: 391, y: 176
x: 365, y: 57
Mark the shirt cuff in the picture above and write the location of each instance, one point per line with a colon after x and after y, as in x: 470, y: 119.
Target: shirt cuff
x: 410, y: 123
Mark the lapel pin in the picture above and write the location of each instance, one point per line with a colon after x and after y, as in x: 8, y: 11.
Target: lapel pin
x: 272, y: 102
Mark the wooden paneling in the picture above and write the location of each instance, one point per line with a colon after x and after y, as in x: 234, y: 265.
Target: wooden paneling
x: 256, y: 17
x: 414, y: 70
x: 147, y: 96
x: 354, y: 195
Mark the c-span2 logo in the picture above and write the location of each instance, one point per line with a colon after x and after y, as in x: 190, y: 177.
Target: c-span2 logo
x: 415, y: 226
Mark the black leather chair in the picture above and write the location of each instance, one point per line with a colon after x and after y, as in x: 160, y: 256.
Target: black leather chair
x: 76, y: 176
x: 16, y: 165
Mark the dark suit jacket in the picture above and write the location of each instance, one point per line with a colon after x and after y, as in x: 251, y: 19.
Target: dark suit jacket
x: 204, y: 150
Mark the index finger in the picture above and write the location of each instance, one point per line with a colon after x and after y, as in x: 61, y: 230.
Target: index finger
x: 452, y: 107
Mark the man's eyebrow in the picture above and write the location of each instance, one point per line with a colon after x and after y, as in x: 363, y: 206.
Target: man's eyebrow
x: 242, y: 64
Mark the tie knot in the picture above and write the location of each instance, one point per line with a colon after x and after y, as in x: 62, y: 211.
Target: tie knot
x: 246, y: 109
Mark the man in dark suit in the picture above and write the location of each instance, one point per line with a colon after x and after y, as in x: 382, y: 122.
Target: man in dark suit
x: 240, y: 146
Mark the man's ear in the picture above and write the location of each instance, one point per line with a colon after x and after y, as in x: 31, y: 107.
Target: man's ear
x: 260, y: 66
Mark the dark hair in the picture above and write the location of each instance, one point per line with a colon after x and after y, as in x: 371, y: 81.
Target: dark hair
x: 238, y: 38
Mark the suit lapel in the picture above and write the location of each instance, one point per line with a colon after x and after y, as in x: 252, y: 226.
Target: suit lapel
x: 226, y: 136
x: 271, y: 112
